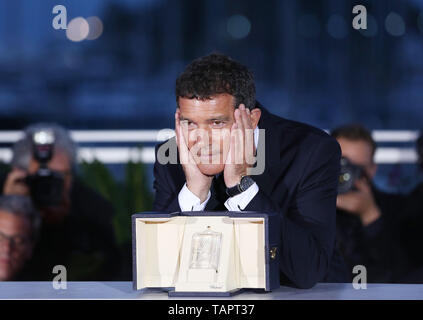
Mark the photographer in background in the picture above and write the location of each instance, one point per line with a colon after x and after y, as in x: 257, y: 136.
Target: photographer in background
x: 366, y: 216
x: 19, y: 227
x: 77, y: 229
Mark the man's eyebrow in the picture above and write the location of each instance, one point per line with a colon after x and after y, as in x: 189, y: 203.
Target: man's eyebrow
x: 182, y: 118
x: 219, y: 118
x: 213, y: 118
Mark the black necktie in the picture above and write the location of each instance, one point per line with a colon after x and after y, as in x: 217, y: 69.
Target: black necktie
x: 218, y: 191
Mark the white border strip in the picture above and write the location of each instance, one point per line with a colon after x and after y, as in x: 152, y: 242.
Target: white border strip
x: 113, y: 155
x: 395, y: 155
x: 101, y: 136
x: 116, y: 155
x: 395, y: 136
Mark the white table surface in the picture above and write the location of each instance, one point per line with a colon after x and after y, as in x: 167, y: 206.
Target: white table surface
x: 123, y: 290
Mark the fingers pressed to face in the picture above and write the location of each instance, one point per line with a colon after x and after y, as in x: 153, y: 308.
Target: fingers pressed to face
x: 177, y: 126
x: 245, y: 135
x: 238, y: 119
x: 243, y: 120
x: 181, y: 131
x: 180, y: 140
x: 245, y: 117
x: 237, y: 145
x: 249, y: 136
x: 231, y: 151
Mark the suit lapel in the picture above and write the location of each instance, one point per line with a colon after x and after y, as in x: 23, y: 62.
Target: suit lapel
x: 177, y: 173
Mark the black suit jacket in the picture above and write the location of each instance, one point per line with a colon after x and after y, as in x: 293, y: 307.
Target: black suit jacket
x: 410, y: 233
x: 300, y: 181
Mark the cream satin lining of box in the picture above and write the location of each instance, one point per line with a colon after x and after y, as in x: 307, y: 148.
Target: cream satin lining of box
x: 163, y: 247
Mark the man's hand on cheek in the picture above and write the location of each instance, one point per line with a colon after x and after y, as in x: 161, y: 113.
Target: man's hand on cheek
x: 241, y: 149
x: 196, y: 181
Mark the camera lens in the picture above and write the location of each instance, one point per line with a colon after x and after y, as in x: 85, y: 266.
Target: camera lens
x: 46, y: 188
x: 348, y: 175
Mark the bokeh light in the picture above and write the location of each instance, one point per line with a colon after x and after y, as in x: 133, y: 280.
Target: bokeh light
x: 95, y: 28
x: 394, y: 24
x: 238, y: 26
x: 78, y: 29
x: 337, y: 27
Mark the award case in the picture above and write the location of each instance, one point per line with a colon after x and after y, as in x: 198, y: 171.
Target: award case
x: 205, y: 253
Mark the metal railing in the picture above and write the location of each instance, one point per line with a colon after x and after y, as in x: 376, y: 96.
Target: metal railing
x: 115, y: 154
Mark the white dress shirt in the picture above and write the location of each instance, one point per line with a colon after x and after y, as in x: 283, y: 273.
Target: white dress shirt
x: 190, y: 202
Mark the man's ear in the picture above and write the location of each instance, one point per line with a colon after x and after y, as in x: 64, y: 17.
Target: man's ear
x: 255, y: 115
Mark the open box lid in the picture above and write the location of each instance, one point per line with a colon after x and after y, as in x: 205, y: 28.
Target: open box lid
x: 160, y: 240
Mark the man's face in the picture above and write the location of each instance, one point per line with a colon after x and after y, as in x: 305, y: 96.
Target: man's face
x: 15, y: 246
x: 208, y: 122
x: 359, y: 152
x: 60, y: 163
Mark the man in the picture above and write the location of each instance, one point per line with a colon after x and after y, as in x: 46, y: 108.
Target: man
x: 19, y: 226
x: 366, y: 216
x: 77, y: 231
x: 217, y: 117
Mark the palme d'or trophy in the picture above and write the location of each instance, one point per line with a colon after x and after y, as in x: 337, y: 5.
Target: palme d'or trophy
x: 205, y: 252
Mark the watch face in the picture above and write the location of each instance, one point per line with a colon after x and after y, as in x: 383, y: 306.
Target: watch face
x: 245, y: 183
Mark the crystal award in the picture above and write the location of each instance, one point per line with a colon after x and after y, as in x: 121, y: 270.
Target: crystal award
x: 205, y: 250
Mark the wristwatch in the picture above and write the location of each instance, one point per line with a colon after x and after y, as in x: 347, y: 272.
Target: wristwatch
x: 244, y: 184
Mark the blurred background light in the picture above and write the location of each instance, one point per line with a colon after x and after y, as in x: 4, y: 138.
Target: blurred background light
x: 95, y: 28
x: 337, y: 27
x: 309, y: 26
x: 394, y: 24
x: 78, y: 29
x: 238, y: 26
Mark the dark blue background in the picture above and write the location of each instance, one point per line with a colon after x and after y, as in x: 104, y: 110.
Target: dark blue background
x: 309, y: 63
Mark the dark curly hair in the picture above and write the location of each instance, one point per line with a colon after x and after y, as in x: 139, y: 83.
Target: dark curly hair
x: 216, y: 74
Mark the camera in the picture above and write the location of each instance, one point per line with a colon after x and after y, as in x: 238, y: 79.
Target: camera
x: 348, y: 175
x: 46, y: 186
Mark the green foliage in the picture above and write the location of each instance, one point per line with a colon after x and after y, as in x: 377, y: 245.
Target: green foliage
x: 128, y: 197
x: 97, y: 176
x: 4, y: 168
x: 138, y: 193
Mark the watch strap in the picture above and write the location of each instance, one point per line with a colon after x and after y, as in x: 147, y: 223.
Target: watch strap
x: 246, y: 181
